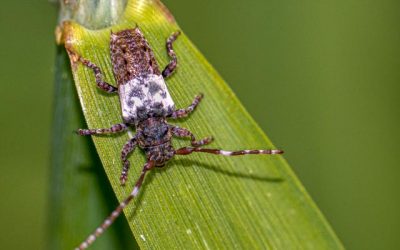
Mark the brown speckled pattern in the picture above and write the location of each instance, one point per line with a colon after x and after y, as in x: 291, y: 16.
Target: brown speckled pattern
x: 131, y: 56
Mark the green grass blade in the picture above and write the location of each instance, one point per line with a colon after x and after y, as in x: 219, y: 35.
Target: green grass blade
x: 197, y: 201
x: 81, y: 196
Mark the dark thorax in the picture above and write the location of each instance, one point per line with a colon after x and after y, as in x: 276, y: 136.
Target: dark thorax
x: 154, y: 135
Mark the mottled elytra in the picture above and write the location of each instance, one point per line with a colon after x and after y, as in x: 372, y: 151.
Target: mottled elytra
x: 145, y: 105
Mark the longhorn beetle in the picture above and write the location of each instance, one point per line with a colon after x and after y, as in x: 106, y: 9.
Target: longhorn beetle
x: 146, y: 104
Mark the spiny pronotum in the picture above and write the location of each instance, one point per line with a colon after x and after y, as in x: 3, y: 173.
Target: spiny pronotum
x: 146, y: 105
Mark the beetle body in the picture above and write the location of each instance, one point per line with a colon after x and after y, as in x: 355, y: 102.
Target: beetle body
x: 145, y: 105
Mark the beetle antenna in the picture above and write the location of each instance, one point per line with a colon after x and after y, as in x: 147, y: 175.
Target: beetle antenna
x: 117, y: 211
x: 189, y: 150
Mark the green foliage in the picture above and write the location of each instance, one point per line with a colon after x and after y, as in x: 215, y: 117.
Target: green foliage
x: 81, y: 195
x: 197, y: 201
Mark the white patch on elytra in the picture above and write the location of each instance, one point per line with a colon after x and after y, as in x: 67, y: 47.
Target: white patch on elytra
x: 130, y: 103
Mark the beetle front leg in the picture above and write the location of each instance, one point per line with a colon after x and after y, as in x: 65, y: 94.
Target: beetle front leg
x: 126, y: 150
x: 182, y: 132
x: 117, y: 128
x: 96, y: 70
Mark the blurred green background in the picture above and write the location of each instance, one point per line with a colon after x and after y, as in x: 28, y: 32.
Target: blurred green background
x: 321, y: 78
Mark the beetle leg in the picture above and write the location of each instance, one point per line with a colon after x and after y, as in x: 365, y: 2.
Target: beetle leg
x: 96, y: 70
x: 183, y: 132
x: 170, y: 68
x: 117, y: 128
x: 180, y: 113
x: 126, y: 150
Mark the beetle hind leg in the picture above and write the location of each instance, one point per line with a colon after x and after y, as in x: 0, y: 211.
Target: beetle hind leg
x: 96, y: 70
x: 170, y: 68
